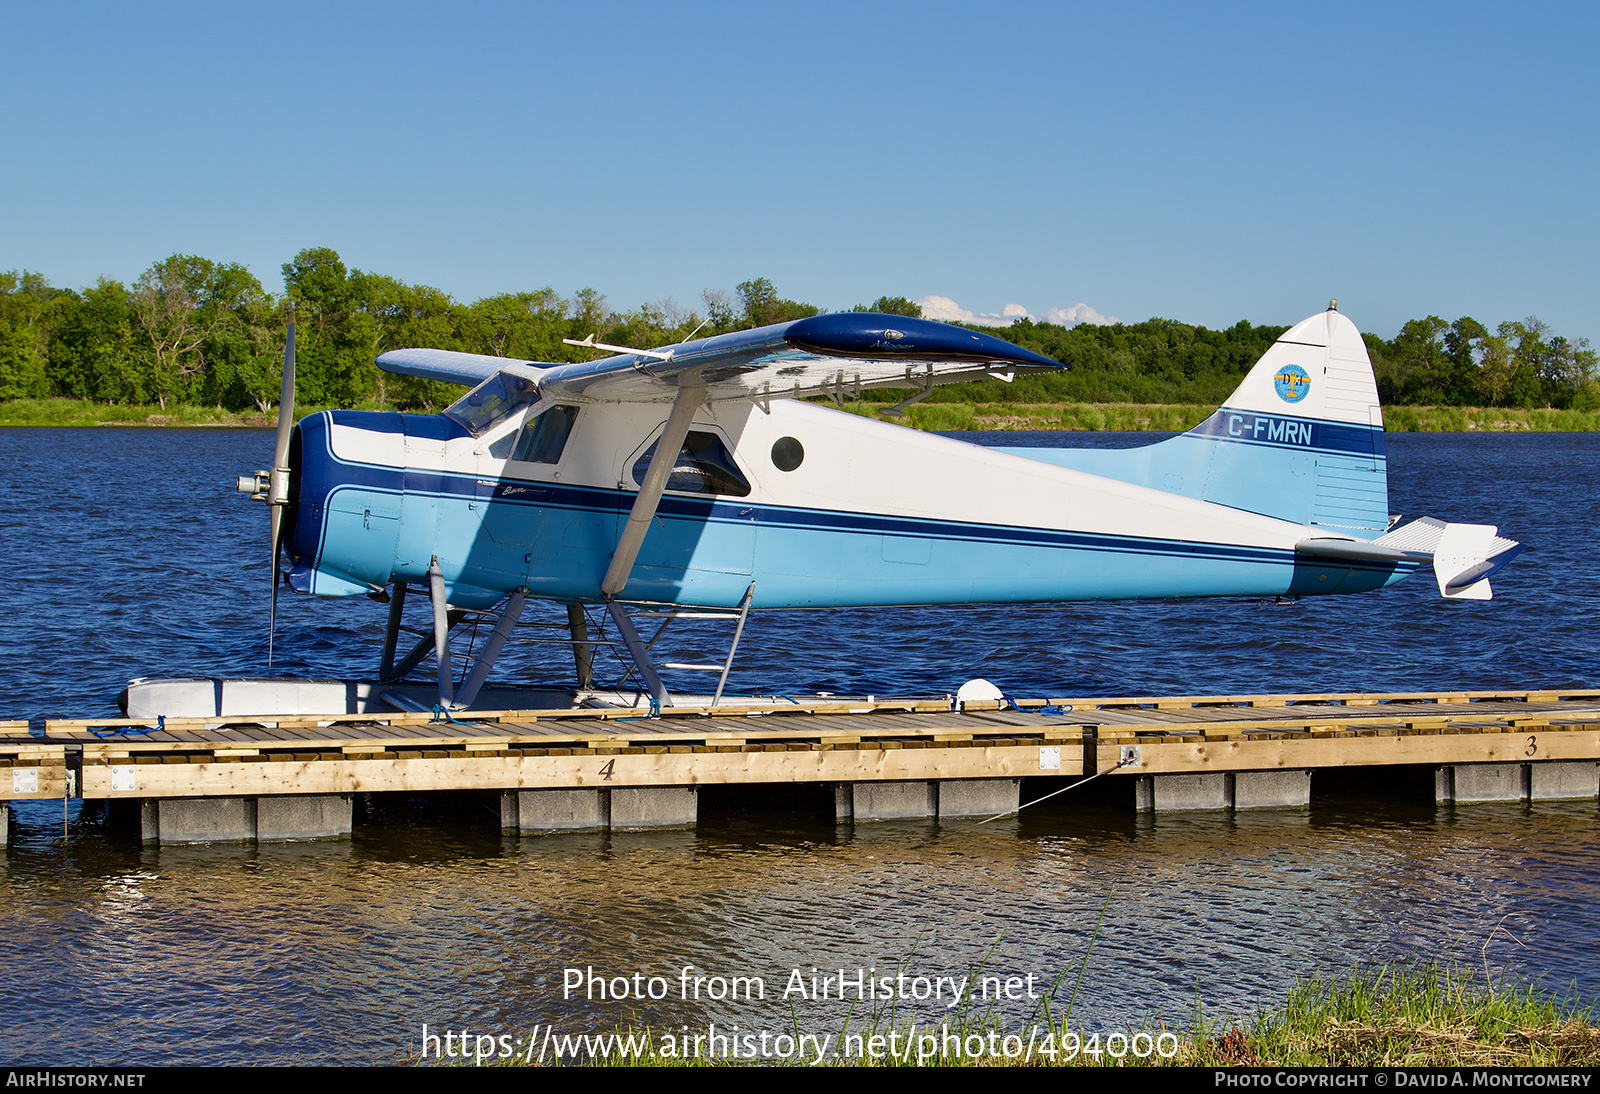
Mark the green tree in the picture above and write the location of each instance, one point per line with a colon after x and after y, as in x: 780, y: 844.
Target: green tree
x: 892, y: 305
x: 1418, y: 365
x: 763, y: 306
x: 27, y: 301
x: 527, y: 325
x: 333, y: 362
x: 186, y: 308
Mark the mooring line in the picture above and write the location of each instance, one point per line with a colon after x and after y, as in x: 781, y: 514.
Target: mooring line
x: 1047, y: 797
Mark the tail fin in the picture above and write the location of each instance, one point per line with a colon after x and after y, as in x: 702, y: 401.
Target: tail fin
x: 1301, y: 438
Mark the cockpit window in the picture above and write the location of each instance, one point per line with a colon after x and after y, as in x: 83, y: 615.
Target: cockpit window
x: 704, y: 467
x: 540, y: 441
x: 492, y: 400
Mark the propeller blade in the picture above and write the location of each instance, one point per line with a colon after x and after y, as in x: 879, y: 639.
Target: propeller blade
x: 278, y: 482
x: 272, y: 605
x: 280, y: 454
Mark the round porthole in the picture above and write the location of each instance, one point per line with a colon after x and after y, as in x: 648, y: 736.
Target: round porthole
x: 787, y: 454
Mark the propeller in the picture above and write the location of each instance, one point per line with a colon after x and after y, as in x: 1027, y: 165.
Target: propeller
x: 272, y: 486
x: 278, y: 484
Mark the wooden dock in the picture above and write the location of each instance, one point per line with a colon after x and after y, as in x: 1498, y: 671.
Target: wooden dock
x: 294, y: 777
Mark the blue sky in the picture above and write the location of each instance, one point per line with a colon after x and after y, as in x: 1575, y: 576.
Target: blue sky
x: 1206, y: 163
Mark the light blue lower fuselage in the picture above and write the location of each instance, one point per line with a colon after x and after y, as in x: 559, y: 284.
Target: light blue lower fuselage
x: 361, y: 524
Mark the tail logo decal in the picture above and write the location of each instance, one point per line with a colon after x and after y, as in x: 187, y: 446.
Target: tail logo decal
x: 1292, y: 383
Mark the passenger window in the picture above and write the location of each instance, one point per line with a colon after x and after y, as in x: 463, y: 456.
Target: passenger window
x: 501, y: 448
x: 542, y: 440
x: 704, y: 467
x: 545, y: 438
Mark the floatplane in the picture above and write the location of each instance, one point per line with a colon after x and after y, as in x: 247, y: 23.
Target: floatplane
x: 691, y: 479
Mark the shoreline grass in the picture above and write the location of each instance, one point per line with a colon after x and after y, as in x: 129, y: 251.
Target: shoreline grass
x: 75, y: 412
x: 1000, y: 417
x: 1176, y: 418
x: 1431, y: 1015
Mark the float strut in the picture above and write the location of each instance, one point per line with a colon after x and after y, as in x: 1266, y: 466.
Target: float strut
x: 441, y: 631
x: 578, y: 624
x: 640, y: 653
x: 424, y: 646
x: 492, y: 648
x: 391, y: 633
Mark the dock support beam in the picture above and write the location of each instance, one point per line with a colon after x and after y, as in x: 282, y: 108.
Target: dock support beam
x: 1556, y: 780
x: 173, y: 821
x: 554, y: 810
x: 1549, y: 780
x: 917, y: 800
x: 978, y: 797
x: 5, y: 825
x: 621, y: 807
x: 872, y: 801
x: 1216, y: 791
x: 1271, y: 789
x: 654, y: 807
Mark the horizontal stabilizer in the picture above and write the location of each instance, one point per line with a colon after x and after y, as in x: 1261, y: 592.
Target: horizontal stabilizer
x: 1464, y: 556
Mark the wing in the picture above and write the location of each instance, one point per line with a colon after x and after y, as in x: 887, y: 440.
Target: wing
x: 452, y: 367
x: 841, y: 353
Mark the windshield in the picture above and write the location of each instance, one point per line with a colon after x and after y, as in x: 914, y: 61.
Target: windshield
x: 492, y: 400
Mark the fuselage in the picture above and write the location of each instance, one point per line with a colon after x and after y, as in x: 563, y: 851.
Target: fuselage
x: 816, y: 507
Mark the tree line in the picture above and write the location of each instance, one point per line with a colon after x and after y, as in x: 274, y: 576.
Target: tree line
x: 191, y: 331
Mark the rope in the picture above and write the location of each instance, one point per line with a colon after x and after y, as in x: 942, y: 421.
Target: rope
x: 129, y: 731
x: 1047, y: 797
x: 1048, y: 708
x: 440, y: 714
x: 655, y: 712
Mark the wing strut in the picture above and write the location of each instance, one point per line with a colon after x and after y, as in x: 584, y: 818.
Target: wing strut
x: 655, y: 481
x: 688, y: 401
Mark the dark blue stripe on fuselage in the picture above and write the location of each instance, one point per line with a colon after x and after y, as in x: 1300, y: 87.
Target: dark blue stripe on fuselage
x: 1283, y: 431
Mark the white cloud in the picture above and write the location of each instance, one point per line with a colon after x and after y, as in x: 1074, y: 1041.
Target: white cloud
x: 943, y: 308
x: 947, y: 310
x: 1078, y: 313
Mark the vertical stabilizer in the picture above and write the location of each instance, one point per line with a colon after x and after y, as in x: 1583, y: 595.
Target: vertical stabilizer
x: 1300, y: 439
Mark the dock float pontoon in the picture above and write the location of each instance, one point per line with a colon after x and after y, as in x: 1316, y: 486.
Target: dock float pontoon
x: 293, y: 777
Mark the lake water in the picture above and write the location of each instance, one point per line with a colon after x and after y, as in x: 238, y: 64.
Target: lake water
x: 129, y: 554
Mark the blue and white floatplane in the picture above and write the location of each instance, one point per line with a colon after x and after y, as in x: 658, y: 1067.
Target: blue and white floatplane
x: 690, y: 478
